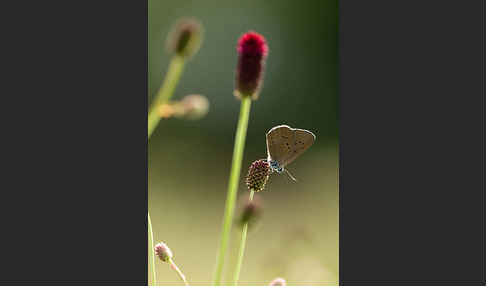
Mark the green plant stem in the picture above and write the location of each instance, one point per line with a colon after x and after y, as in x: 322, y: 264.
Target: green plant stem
x: 179, y: 272
x: 232, y: 186
x: 241, y: 252
x: 165, y: 92
x: 163, y: 95
x: 151, y: 250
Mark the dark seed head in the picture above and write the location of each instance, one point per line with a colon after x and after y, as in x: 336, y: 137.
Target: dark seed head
x: 258, y: 174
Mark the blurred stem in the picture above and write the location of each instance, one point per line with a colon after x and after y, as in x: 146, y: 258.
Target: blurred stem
x: 174, y: 72
x: 151, y: 250
x: 179, y: 272
x: 232, y: 186
x: 242, y: 248
x: 165, y: 92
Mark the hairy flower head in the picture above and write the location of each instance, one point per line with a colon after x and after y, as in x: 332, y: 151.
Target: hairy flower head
x: 252, y: 53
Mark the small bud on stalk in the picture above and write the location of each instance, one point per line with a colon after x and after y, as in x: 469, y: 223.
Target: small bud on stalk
x: 278, y: 282
x: 258, y: 174
x: 185, y: 38
x: 165, y: 254
x: 251, y: 211
x: 252, y: 53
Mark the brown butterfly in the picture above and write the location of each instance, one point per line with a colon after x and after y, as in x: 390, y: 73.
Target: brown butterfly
x: 285, y: 144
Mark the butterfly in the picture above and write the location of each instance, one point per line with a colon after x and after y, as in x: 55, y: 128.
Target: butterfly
x: 285, y: 144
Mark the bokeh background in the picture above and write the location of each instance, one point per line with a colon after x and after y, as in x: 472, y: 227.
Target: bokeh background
x: 189, y: 161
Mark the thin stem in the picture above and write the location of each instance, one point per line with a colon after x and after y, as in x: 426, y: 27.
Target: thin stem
x: 241, y: 252
x: 151, y: 250
x: 179, y: 272
x: 232, y: 186
x: 165, y: 92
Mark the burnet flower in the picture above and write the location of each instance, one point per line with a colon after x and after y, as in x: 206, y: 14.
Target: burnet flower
x: 252, y: 53
x: 258, y: 174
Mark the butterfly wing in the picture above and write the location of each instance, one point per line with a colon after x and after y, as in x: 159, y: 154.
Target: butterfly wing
x: 285, y: 144
x: 303, y: 139
x: 278, y: 138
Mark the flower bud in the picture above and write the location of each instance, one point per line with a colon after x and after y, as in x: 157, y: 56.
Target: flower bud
x: 185, y: 38
x: 258, y: 174
x: 163, y: 252
x: 251, y: 211
x: 252, y: 53
x: 278, y: 282
x: 191, y: 107
x: 194, y: 106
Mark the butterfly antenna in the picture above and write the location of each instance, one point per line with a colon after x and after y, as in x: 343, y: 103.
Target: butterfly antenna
x: 290, y: 175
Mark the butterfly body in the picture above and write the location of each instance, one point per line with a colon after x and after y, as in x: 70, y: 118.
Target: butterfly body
x: 285, y: 144
x: 275, y: 166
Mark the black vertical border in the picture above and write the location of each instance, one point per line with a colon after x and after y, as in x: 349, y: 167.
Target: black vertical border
x: 411, y: 138
x: 373, y: 72
x: 77, y: 181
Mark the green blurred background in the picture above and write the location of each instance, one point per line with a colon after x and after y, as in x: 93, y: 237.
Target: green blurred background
x: 189, y: 161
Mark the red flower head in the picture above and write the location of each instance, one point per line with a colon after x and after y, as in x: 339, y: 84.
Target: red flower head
x: 252, y: 52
